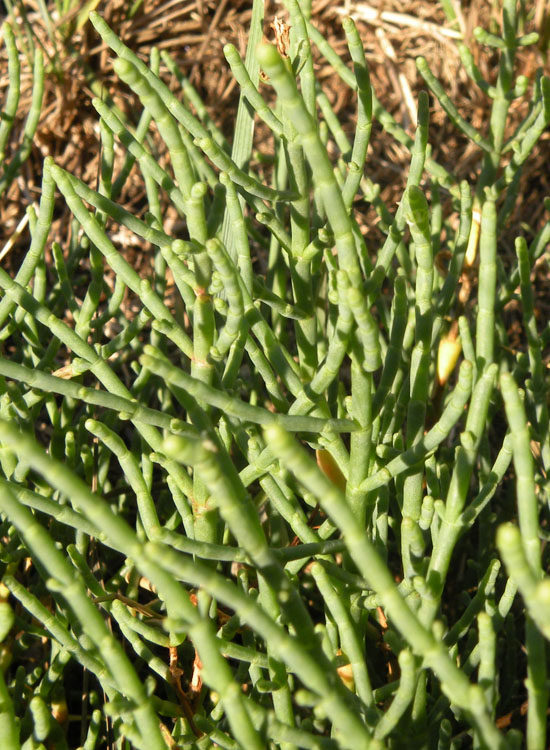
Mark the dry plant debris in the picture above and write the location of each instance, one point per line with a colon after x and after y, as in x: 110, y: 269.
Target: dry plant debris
x: 194, y: 33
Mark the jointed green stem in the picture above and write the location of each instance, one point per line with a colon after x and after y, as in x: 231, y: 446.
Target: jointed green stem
x: 364, y: 113
x: 31, y: 123
x: 452, y: 525
x: 352, y: 733
x: 485, y: 323
x: 453, y: 682
x: 14, y: 88
x: 349, y: 640
x: 62, y: 573
x: 137, y: 150
x: 38, y: 242
x: 417, y: 217
x: 250, y: 91
x: 130, y: 466
x: 184, y: 117
x: 534, y: 346
x: 317, y: 157
x: 443, y: 98
x: 382, y: 115
x: 433, y: 437
x: 179, y: 607
x: 528, y: 511
x: 140, y: 286
x: 535, y: 591
x: 240, y: 409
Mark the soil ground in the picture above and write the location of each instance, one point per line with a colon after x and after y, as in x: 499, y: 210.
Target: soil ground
x: 394, y: 33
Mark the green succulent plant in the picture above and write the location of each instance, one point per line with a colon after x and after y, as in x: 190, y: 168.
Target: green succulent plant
x: 245, y: 507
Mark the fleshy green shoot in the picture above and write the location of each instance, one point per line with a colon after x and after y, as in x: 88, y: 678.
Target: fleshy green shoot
x: 257, y: 515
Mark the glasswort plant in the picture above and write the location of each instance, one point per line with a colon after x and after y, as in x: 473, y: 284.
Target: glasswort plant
x: 239, y: 518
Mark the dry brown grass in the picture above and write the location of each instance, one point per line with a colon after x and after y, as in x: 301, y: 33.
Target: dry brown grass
x: 194, y: 32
